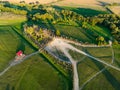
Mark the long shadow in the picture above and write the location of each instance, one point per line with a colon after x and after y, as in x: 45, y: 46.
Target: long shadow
x: 116, y: 62
x: 57, y: 7
x: 51, y: 26
x: 8, y: 87
x: 114, y: 82
x: 21, y: 46
x: 103, y: 3
x: 88, y: 12
x: 68, y: 78
x: 24, y: 40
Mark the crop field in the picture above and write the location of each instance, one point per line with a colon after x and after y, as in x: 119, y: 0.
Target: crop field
x: 115, y: 9
x: 7, y: 18
x: 33, y: 74
x: 28, y: 1
x: 10, y: 43
x: 84, y: 35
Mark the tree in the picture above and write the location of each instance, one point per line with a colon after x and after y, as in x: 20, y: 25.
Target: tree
x: 57, y: 32
x: 100, y: 40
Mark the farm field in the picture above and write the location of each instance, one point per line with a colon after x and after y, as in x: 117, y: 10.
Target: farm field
x: 81, y: 34
x: 81, y: 51
x: 10, y: 43
x: 93, y: 4
x: 7, y: 18
x: 90, y: 70
x: 34, y: 73
x: 28, y: 1
x: 114, y: 9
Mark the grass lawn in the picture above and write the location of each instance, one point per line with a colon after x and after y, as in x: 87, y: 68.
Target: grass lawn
x: 10, y: 43
x: 33, y: 74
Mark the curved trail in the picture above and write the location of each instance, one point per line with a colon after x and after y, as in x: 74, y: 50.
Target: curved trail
x: 64, y: 46
x: 13, y: 63
x: 61, y: 45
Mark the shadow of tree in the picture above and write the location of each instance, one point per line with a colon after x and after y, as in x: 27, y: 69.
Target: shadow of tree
x: 113, y: 81
x: 8, y: 87
x: 88, y: 12
x: 21, y: 46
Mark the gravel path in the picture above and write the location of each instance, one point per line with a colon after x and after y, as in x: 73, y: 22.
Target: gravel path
x: 64, y: 46
x: 13, y: 63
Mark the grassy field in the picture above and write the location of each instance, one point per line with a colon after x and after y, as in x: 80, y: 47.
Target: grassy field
x: 33, y: 74
x: 85, y: 11
x: 74, y: 32
x: 36, y: 73
x: 7, y: 18
x: 108, y: 79
x: 114, y: 9
x: 84, y: 35
x: 99, y: 53
x: 10, y: 43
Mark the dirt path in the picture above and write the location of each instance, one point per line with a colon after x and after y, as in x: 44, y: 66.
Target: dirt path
x: 95, y: 75
x: 13, y: 63
x: 64, y: 46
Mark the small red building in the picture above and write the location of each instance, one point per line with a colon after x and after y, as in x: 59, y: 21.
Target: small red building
x: 19, y: 53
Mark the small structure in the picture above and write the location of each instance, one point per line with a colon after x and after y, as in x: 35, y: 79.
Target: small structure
x: 19, y: 53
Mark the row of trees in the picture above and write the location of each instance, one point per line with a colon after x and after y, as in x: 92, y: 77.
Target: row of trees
x: 15, y: 11
x: 110, y: 21
x: 35, y: 32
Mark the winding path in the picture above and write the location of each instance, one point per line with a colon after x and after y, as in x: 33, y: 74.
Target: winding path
x: 64, y: 46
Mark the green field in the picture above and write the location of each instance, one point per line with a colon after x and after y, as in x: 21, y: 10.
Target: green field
x: 33, y: 74
x: 10, y: 43
x: 84, y: 35
x: 36, y: 73
x: 7, y: 18
x: 86, y: 11
x: 87, y: 68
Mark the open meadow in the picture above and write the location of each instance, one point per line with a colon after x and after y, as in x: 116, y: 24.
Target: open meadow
x: 33, y: 74
x: 81, y: 53
x: 114, y: 9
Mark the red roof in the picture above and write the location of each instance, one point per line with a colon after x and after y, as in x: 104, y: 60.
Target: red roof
x: 19, y: 53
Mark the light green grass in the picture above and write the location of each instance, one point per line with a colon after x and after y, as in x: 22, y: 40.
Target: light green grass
x: 10, y: 43
x: 76, y: 56
x: 7, y: 18
x: 33, y: 74
x: 103, y: 53
x: 74, y: 32
x: 85, y: 11
x: 107, y: 80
